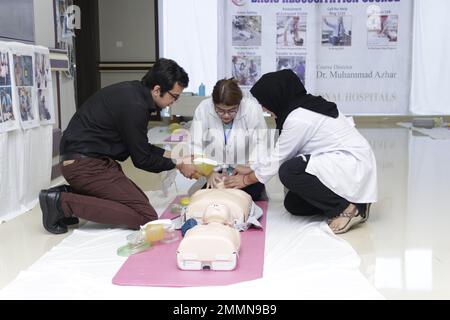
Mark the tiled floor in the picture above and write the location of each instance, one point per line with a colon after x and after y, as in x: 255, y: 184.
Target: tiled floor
x: 404, y: 246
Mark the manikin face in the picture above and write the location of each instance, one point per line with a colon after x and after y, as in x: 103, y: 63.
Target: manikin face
x: 168, y: 98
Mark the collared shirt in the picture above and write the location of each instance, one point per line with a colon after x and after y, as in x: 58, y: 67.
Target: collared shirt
x: 113, y: 123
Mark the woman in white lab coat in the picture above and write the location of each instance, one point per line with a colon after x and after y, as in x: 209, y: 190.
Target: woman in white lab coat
x: 226, y: 128
x: 325, y: 163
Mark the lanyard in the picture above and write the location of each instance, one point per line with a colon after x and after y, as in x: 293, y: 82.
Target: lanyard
x: 225, y: 134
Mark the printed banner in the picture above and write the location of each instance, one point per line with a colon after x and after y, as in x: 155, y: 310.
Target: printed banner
x: 23, y: 70
x: 356, y: 53
x: 8, y: 114
x: 43, y: 86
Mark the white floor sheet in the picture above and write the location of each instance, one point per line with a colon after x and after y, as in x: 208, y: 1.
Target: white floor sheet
x: 303, y: 260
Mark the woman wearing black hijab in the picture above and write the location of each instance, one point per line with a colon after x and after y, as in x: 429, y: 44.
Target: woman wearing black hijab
x: 324, y: 162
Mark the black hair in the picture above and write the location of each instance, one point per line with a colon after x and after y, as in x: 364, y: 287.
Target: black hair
x: 165, y: 73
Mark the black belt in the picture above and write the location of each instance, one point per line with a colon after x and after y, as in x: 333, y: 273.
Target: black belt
x: 72, y: 156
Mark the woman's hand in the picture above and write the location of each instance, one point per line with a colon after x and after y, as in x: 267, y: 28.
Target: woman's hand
x: 215, y: 181
x: 240, y: 169
x: 235, y: 182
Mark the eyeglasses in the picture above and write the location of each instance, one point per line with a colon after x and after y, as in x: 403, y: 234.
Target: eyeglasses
x: 174, y: 96
x: 222, y: 112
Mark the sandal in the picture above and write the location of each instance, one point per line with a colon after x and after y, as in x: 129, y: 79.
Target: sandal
x: 354, y: 218
x: 366, y: 211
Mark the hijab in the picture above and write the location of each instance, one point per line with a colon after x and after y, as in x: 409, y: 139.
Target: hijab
x: 282, y: 92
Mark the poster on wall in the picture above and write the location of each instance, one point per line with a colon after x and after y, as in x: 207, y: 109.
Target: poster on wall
x: 356, y: 53
x: 23, y: 70
x: 43, y: 85
x: 65, y: 33
x: 8, y: 113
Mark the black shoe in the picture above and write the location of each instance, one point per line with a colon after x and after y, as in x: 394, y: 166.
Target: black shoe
x: 61, y: 188
x: 65, y: 188
x: 69, y: 221
x: 52, y: 214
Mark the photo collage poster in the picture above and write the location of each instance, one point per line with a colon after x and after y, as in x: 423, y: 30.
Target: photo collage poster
x: 65, y: 34
x: 356, y: 54
x: 8, y: 113
x: 26, y: 88
x: 23, y: 61
x: 43, y: 86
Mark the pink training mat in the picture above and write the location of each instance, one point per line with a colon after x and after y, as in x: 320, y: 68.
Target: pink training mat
x: 157, y: 267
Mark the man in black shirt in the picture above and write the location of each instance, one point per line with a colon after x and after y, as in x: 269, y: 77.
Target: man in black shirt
x: 109, y: 127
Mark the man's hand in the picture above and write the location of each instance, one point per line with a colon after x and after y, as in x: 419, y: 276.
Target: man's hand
x: 196, y: 176
x: 240, y: 169
x: 235, y: 182
x: 187, y: 170
x: 187, y: 159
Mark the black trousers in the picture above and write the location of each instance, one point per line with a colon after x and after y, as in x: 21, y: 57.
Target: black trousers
x: 256, y: 191
x: 307, y: 195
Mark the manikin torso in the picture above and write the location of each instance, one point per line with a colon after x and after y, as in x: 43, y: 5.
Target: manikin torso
x: 213, y: 243
x: 228, y: 206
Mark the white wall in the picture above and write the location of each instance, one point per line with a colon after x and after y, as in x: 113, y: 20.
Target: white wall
x: 127, y: 34
x: 67, y: 97
x: 16, y: 20
x: 431, y: 66
x: 111, y: 77
x: 44, y: 29
x: 189, y: 28
x: 127, y: 30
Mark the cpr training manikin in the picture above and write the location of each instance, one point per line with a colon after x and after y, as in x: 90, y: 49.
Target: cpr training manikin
x: 214, y: 242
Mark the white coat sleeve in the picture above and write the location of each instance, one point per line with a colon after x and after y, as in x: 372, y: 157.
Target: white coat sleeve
x: 197, y: 130
x: 295, y: 134
x: 258, y: 132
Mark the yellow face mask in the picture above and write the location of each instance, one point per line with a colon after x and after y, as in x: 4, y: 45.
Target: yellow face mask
x: 205, y: 166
